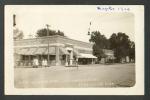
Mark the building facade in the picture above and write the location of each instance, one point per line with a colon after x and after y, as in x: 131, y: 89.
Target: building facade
x: 57, y: 50
x: 109, y: 56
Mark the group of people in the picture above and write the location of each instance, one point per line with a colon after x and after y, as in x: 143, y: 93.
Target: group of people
x: 36, y: 63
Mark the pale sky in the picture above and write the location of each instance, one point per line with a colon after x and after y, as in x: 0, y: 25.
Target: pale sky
x: 73, y: 20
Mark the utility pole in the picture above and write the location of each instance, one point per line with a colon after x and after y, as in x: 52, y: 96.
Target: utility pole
x: 89, y: 30
x: 14, y: 20
x: 48, y: 43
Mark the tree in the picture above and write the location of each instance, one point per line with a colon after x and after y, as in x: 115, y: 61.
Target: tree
x: 18, y: 34
x: 98, y: 52
x: 43, y: 32
x: 113, y: 41
x: 100, y: 43
x: 120, y: 43
x: 132, y: 51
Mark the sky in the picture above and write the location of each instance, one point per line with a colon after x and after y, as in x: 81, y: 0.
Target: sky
x: 74, y: 21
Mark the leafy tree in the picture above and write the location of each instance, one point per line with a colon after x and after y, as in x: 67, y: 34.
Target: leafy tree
x: 18, y: 34
x: 132, y: 51
x: 45, y: 32
x: 100, y: 43
x: 120, y: 43
x: 60, y: 33
x: 98, y: 52
x: 113, y: 41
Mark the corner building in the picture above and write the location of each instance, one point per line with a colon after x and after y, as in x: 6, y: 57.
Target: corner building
x: 61, y: 51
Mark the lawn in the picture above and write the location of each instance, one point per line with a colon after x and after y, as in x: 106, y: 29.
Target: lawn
x: 85, y: 76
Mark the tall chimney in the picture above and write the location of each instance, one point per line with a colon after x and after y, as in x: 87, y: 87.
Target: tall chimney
x: 14, y: 20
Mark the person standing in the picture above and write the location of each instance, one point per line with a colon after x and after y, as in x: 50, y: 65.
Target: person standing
x: 35, y: 63
x: 44, y: 63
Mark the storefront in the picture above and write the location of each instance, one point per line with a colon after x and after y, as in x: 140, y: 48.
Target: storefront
x: 60, y: 51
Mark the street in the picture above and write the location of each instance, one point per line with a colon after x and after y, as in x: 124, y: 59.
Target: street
x: 85, y: 76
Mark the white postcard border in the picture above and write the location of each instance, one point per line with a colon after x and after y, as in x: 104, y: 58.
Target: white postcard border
x: 138, y: 89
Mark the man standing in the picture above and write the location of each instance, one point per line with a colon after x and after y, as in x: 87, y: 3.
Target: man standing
x: 44, y: 63
x: 35, y: 63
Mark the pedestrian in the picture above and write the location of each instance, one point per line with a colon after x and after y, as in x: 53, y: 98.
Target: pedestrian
x: 44, y: 63
x: 35, y: 63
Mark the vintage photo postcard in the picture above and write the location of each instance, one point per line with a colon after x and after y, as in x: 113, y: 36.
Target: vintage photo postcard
x: 74, y: 50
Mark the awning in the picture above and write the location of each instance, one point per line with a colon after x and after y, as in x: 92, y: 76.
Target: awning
x: 82, y: 55
x: 40, y: 51
x: 32, y: 51
x: 23, y: 51
x: 26, y: 51
x: 16, y: 50
x: 52, y: 51
x: 63, y: 51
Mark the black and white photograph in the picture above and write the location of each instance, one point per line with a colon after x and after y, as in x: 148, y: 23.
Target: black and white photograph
x: 74, y: 47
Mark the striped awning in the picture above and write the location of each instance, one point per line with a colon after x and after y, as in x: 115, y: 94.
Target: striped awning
x: 40, y: 51
x: 23, y: 51
x: 52, y: 51
x: 16, y: 50
x: 32, y: 51
x: 26, y: 51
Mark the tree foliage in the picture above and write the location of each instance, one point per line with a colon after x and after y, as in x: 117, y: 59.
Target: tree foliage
x: 98, y: 52
x: 100, y: 43
x: 48, y: 32
x: 18, y: 34
x: 132, y: 51
x: 119, y: 43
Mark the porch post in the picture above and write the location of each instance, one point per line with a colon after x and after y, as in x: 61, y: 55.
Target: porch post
x: 57, y: 55
x: 29, y: 63
x: 66, y: 62
x: 71, y: 57
x: 92, y: 61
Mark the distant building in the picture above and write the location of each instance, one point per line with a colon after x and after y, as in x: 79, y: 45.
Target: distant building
x: 109, y: 56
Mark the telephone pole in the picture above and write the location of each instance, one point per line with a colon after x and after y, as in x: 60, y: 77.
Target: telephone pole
x: 89, y: 29
x: 48, y: 43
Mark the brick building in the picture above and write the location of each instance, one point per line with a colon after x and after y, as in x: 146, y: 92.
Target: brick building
x: 62, y: 51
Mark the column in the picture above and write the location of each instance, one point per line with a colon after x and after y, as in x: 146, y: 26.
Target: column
x: 57, y: 56
x: 92, y: 61
x: 29, y: 63
x: 71, y: 57
x: 38, y: 57
x: 77, y: 61
x: 66, y: 62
